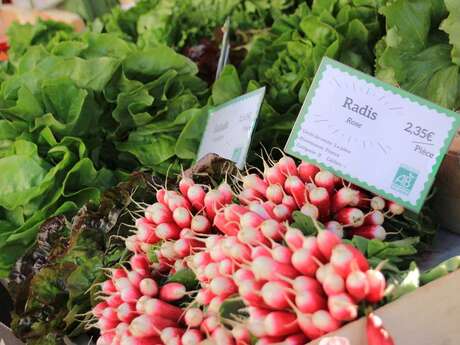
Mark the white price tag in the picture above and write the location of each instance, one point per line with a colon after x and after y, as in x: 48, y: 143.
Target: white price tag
x: 230, y: 126
x: 375, y: 135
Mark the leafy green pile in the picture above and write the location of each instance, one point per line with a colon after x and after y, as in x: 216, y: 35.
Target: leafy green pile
x: 421, y: 50
x: 286, y: 58
x: 54, y: 283
x: 79, y: 111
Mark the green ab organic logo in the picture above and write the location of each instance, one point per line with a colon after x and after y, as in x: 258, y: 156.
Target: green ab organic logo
x: 404, y: 180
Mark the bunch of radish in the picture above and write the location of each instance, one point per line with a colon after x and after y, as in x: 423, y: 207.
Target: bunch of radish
x: 242, y: 246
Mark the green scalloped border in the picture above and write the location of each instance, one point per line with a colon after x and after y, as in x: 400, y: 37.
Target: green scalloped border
x: 289, y: 148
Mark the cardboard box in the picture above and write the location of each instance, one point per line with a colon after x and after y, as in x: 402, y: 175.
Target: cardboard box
x: 7, y: 337
x: 428, y: 316
x: 446, y: 202
x: 10, y: 14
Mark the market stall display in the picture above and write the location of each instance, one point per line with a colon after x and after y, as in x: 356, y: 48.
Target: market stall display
x: 109, y: 227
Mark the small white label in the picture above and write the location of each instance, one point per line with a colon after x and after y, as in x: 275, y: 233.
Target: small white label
x: 230, y: 126
x: 372, y: 134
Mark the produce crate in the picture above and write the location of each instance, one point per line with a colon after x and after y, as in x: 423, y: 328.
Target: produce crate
x: 7, y: 337
x: 447, y: 200
x: 428, y: 316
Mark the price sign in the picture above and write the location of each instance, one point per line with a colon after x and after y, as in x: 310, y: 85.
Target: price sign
x: 375, y: 135
x: 230, y: 126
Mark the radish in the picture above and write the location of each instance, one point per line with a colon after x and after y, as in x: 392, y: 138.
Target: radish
x: 240, y: 252
x: 140, y: 304
x: 251, y: 219
x: 309, y: 301
x: 325, y: 179
x: 335, y: 227
x: 172, y: 292
x: 130, y: 294
x: 99, y: 309
x: 266, y: 268
x: 108, y: 287
x: 157, y: 307
x: 167, y: 231
x: 326, y: 241
x: 133, y: 244
x: 222, y: 336
x: 126, y: 312
x: 344, y: 197
x: 158, y: 213
x: 281, y: 212
x: 110, y: 314
x: 249, y: 291
x: 305, y: 262
x: 275, y: 294
x: 281, y: 323
x: 311, y: 243
x: 304, y: 283
x: 223, y: 286
x: 227, y: 243
x: 265, y: 210
x: 122, y: 283
x: 171, y: 332
x: 216, y: 252
x: 201, y: 259
x: 196, y: 195
x: 121, y: 329
x: 241, y: 334
x: 294, y: 238
x: 106, y: 339
x: 184, y: 184
x: 209, y: 324
x: 200, y: 224
x: 148, y: 287
x: 178, y: 201
x: 319, y: 197
x: 226, y: 192
x: 357, y: 285
x: 333, y: 284
x: 282, y: 254
x: 204, y: 296
x: 193, y: 317
x: 182, y: 217
x: 296, y: 339
x: 183, y: 247
x: 287, y: 166
x: 213, y: 201
x: 370, y: 231
x: 260, y: 251
x: 376, y: 286
x: 290, y: 202
x: 344, y: 256
x: 192, y: 337
x: 275, y: 193
x: 269, y: 340
x: 160, y: 195
x: 308, y: 328
x: 146, y: 231
x: 377, y: 203
x: 135, y: 278
x: 342, y: 307
x: 296, y: 188
x: 376, y: 333
x: 274, y: 175
x: 310, y: 211
x: 226, y: 267
x: 106, y: 325
x: 241, y: 275
x: 147, y: 326
x: 253, y: 181
x: 249, y: 195
x: 324, y: 321
x: 215, y: 304
x: 395, y: 209
x: 307, y: 171
x: 270, y: 228
x: 226, y: 227
x: 350, y: 216
x: 323, y: 271
x: 167, y: 251
x: 131, y: 340
x: 114, y: 300
x: 374, y: 218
